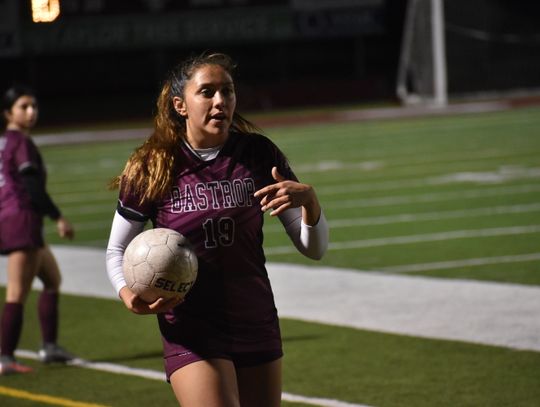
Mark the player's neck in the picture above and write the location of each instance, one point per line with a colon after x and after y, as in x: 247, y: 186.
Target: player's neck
x: 199, y: 141
x: 20, y: 129
x: 205, y: 154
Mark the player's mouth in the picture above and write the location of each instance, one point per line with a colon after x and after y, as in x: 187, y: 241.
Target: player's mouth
x: 218, y: 117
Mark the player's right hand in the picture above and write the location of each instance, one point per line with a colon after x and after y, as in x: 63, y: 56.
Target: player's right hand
x: 165, y: 304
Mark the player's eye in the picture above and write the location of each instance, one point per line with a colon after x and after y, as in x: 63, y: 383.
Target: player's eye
x: 28, y: 105
x: 207, y: 92
x: 228, y: 91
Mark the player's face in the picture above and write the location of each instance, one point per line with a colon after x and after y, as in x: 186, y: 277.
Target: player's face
x: 23, y: 114
x: 208, y: 106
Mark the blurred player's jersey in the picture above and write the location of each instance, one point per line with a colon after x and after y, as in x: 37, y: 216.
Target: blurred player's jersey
x: 212, y: 204
x: 17, y: 154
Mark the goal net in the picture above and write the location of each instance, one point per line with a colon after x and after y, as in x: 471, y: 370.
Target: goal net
x: 469, y: 49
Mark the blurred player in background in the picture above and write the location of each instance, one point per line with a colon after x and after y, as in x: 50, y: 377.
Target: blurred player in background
x: 24, y: 202
x: 207, y: 173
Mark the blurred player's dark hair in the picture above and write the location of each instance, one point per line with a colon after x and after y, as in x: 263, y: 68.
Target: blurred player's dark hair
x: 13, y: 93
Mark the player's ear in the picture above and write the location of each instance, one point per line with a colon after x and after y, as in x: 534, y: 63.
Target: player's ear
x: 179, y: 106
x: 7, y: 115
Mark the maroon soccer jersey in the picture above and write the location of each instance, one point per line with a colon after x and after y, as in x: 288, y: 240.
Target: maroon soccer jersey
x: 17, y: 152
x: 231, y: 306
x: 20, y: 225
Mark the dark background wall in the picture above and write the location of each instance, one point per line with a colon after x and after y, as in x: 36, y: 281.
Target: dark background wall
x: 105, y: 59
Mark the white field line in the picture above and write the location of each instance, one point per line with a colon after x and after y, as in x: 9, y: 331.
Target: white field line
x: 316, y: 401
x: 76, y: 199
x: 425, y: 237
x: 404, y: 162
x: 83, y: 197
x: 479, y: 261
x: 399, y: 127
x: 107, y: 207
x: 297, y: 135
x: 477, y: 177
x: 50, y: 229
x: 432, y: 197
x: 157, y: 375
x: 413, y: 111
x: 91, y: 209
x: 427, y: 216
x: 372, y: 186
x: 502, y: 175
x: 352, y: 222
x: 78, y: 137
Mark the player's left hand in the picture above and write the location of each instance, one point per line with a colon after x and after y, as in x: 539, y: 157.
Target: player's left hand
x: 64, y: 228
x: 285, y: 194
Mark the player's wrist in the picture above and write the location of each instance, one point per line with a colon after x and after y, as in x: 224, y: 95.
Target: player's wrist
x: 311, y: 211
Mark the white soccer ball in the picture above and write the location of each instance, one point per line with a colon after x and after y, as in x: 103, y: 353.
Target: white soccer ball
x: 160, y: 263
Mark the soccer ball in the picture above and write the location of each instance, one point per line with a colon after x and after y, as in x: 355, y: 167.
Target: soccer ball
x: 160, y: 263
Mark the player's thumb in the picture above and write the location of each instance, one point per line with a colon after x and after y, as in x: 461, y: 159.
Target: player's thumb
x: 277, y: 176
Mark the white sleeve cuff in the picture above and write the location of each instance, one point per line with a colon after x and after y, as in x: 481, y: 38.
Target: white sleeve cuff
x: 311, y: 241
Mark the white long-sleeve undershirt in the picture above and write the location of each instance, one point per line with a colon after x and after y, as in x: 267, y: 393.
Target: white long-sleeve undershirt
x: 122, y: 232
x: 311, y: 241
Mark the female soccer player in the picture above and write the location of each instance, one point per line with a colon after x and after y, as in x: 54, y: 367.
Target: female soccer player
x: 24, y: 202
x: 206, y: 173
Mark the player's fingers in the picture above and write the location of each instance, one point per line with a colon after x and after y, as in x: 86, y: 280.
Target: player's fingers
x: 163, y: 304
x: 279, y: 210
x: 270, y: 203
x: 265, y: 191
x: 280, y: 203
x: 156, y: 304
x: 272, y: 187
x: 139, y: 309
x: 268, y: 198
x: 276, y: 175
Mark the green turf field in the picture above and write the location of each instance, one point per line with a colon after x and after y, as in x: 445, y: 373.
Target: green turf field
x: 449, y: 197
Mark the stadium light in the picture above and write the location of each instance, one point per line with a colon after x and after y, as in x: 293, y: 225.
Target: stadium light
x: 45, y: 11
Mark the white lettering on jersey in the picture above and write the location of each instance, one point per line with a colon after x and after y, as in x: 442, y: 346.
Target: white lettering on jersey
x: 201, y: 197
x: 217, y: 194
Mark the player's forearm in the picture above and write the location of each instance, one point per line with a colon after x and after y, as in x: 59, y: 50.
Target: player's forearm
x: 41, y: 200
x: 314, y: 238
x: 310, y: 240
x: 311, y: 211
x: 122, y: 232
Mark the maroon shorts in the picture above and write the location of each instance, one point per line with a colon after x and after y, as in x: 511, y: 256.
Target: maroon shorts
x: 20, y: 230
x: 245, y: 359
x: 194, y: 331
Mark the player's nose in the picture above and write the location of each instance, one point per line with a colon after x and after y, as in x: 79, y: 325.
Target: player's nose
x: 219, y: 99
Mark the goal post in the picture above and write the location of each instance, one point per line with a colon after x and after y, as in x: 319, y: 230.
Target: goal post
x: 469, y: 50
x: 422, y: 76
x: 439, y: 53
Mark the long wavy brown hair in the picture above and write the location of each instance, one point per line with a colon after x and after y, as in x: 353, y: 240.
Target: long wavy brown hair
x: 149, y: 172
